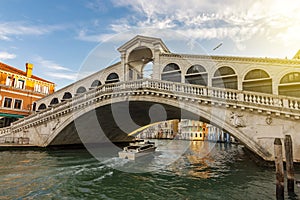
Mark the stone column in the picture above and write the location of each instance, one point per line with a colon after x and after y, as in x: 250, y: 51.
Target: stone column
x: 124, y: 65
x: 156, y: 64
x: 239, y: 82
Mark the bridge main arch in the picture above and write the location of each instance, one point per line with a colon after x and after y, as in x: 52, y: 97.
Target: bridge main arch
x: 113, y: 119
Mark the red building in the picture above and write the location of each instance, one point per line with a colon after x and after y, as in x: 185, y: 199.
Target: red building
x: 18, y: 92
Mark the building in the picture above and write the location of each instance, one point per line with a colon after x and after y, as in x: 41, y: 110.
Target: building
x: 216, y: 134
x: 193, y: 130
x: 18, y: 92
x: 186, y: 130
x: 161, y: 130
x: 197, y: 130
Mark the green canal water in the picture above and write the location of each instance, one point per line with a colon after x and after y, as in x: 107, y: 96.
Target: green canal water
x: 225, y: 172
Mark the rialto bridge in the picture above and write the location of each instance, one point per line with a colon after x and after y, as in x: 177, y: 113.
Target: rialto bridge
x: 253, y: 99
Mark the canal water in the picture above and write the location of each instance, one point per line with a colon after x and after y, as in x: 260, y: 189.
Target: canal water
x: 223, y: 172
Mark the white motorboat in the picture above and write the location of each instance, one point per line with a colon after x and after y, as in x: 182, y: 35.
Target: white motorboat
x: 137, y: 149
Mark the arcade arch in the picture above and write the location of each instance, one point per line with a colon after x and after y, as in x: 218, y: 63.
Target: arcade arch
x: 140, y: 61
x: 197, y: 75
x: 80, y: 90
x: 258, y: 80
x: 67, y: 95
x: 112, y: 78
x: 171, y: 72
x: 290, y: 84
x: 225, y: 77
x: 95, y: 83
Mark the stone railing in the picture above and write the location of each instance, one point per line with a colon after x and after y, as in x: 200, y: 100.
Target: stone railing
x: 244, y: 98
x: 5, y: 131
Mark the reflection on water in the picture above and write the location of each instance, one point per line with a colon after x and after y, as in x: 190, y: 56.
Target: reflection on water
x: 204, y: 171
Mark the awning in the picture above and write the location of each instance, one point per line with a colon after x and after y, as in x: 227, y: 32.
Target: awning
x: 11, y: 115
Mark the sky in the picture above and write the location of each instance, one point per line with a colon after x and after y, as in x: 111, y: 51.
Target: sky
x: 59, y: 36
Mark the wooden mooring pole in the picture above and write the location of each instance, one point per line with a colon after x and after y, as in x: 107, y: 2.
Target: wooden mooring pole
x: 279, y: 169
x: 288, y: 146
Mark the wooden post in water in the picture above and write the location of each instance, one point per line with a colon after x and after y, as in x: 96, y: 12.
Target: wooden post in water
x: 279, y: 169
x: 288, y: 146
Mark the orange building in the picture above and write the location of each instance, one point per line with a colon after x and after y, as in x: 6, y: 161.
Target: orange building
x: 18, y: 92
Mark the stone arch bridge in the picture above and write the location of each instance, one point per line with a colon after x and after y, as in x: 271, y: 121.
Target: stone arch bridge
x: 253, y: 99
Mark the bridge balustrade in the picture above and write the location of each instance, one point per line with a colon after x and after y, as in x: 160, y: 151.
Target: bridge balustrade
x: 219, y: 94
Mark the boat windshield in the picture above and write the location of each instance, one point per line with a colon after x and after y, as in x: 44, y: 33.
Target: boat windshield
x: 146, y: 146
x: 132, y: 147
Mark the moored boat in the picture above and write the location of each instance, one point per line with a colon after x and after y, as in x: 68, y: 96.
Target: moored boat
x: 137, y: 149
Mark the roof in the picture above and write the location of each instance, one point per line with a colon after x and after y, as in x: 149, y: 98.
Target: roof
x: 146, y: 39
x: 14, y: 70
x: 235, y: 58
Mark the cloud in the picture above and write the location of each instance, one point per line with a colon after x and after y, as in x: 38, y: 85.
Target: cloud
x: 59, y: 76
x: 53, y: 70
x: 10, y: 29
x: 97, y: 5
x: 50, y: 64
x: 239, y: 21
x: 6, y: 56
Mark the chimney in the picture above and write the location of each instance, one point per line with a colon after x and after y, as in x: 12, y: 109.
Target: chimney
x: 29, y: 68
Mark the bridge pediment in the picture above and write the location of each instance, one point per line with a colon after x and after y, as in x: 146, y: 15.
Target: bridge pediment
x: 139, y: 41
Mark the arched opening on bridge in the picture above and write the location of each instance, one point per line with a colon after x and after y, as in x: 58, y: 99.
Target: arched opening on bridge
x: 33, y: 106
x: 112, y: 78
x: 290, y: 85
x: 95, y: 84
x: 67, y: 95
x: 171, y: 72
x: 80, y: 90
x: 54, y: 101
x: 42, y: 107
x: 225, y: 77
x: 140, y: 61
x: 258, y: 80
x: 197, y: 75
x: 147, y: 70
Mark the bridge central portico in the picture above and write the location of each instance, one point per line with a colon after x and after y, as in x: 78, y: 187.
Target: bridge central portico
x: 243, y: 96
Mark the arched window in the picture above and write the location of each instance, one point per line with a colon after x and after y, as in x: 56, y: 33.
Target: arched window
x: 258, y: 80
x: 96, y: 83
x: 171, y: 72
x: 290, y: 84
x: 112, y: 78
x: 67, y: 95
x: 225, y: 77
x: 197, y: 75
x: 54, y: 101
x: 80, y: 90
x: 42, y: 107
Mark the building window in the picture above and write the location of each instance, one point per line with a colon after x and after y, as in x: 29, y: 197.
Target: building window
x: 46, y: 90
x: 37, y: 88
x: 9, y: 81
x: 7, y: 102
x: 18, y: 104
x: 20, y: 84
